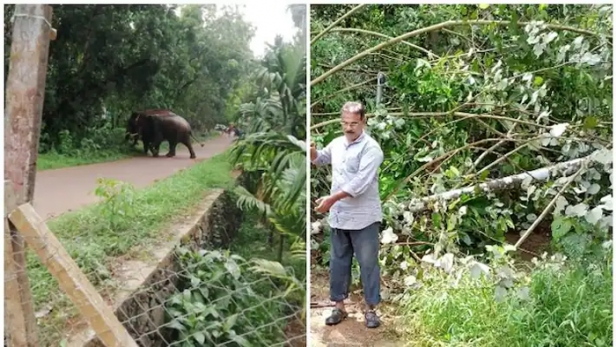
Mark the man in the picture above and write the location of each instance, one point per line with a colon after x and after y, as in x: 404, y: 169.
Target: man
x: 231, y: 130
x: 354, y: 208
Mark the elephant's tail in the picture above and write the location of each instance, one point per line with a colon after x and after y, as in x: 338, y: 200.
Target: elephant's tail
x: 194, y: 138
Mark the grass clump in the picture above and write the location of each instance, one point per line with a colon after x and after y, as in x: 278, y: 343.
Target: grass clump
x: 567, y: 306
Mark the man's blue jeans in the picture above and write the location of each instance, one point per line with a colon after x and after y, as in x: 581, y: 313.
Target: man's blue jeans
x: 365, y: 244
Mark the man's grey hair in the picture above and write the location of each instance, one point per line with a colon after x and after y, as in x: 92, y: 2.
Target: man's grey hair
x: 355, y: 108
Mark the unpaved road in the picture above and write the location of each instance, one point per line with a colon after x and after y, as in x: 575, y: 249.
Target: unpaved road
x: 351, y: 332
x: 62, y: 190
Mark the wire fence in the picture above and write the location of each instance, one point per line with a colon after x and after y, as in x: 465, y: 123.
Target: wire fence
x: 218, y: 299
x: 178, y: 289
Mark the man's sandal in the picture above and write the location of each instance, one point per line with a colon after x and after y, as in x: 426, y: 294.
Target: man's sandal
x: 336, y: 317
x: 372, y: 320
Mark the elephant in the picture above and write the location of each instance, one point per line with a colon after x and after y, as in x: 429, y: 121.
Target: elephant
x: 156, y: 126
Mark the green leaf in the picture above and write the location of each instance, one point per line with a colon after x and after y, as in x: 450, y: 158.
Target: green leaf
x: 538, y: 81
x: 233, y: 268
x: 272, y: 268
x: 436, y: 220
x: 484, y: 175
x: 241, y: 341
x: 484, y: 6
x: 200, y: 337
x: 590, y: 122
x: 560, y: 227
x: 231, y: 321
x: 175, y: 324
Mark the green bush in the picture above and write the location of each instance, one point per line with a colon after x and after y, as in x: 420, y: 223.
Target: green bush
x: 225, y: 301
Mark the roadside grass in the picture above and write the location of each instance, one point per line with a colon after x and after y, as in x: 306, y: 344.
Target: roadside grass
x: 89, y: 238
x: 567, y: 307
x: 55, y: 160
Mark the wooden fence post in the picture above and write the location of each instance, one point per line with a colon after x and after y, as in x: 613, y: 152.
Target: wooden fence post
x: 71, y: 279
x: 14, y: 317
x: 25, y: 91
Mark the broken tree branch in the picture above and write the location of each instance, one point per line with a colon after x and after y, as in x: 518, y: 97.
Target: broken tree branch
x: 548, y: 208
x: 441, y: 114
x: 440, y: 160
x: 542, y: 174
x: 353, y: 30
x: 319, y: 35
x: 431, y: 28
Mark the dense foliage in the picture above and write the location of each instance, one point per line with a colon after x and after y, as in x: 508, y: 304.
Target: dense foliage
x: 272, y: 153
x: 272, y: 157
x: 225, y: 302
x: 475, y: 94
x: 111, y: 59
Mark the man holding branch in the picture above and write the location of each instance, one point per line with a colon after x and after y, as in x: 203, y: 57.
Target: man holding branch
x: 354, y: 208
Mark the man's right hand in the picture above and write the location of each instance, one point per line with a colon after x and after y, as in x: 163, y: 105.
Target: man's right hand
x: 313, y: 151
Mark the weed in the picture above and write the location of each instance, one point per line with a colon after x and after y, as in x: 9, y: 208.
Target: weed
x: 567, y: 306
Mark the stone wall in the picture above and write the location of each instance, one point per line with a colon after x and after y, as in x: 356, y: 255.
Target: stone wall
x: 142, y: 309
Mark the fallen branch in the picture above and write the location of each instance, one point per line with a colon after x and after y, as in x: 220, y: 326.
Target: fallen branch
x: 505, y: 156
x: 427, y: 30
x: 440, y: 160
x: 542, y: 174
x: 319, y: 35
x: 549, y: 207
x: 430, y: 54
x: 481, y: 157
x: 441, y: 114
x: 322, y: 304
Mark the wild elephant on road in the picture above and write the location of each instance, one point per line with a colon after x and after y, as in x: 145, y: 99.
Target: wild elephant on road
x: 156, y: 126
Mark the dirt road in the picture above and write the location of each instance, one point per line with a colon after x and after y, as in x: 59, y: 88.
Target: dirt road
x: 62, y: 190
x: 352, y: 331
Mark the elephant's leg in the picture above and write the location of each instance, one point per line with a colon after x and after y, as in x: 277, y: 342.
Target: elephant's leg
x: 146, y: 147
x: 186, y: 142
x: 154, y: 147
x: 172, y: 145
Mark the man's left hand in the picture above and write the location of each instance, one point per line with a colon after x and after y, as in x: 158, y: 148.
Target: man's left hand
x: 324, y: 204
